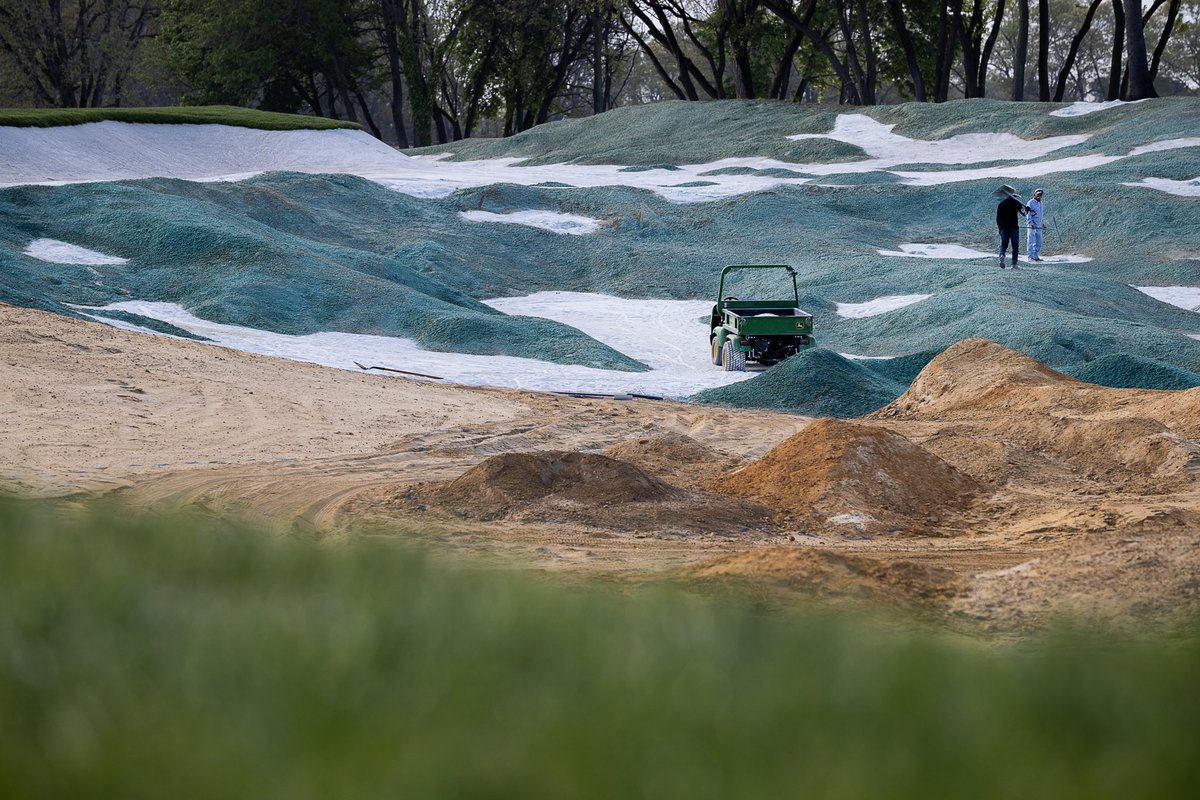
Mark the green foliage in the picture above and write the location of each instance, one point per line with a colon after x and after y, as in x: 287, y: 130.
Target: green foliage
x: 176, y: 115
x: 154, y: 656
x: 273, y: 54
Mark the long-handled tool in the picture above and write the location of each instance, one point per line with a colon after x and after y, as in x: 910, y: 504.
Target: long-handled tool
x: 399, y: 372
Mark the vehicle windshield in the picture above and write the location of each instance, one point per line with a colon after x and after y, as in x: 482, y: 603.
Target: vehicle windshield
x: 759, y: 284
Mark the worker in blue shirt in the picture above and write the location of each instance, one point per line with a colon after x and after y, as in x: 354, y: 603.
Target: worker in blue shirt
x: 1037, y: 225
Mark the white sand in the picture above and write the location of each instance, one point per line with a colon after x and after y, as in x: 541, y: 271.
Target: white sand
x: 1083, y: 107
x: 109, y: 151
x: 1181, y: 188
x: 880, y: 305
x: 663, y: 334
x: 957, y: 251
x: 572, y: 224
x: 935, y: 251
x: 57, y: 252
x: 1166, y: 144
x: 1039, y: 169
x: 888, y: 149
x: 1018, y: 171
x: 1186, y: 297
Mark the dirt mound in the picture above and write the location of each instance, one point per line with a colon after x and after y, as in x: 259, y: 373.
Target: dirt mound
x: 1179, y: 411
x: 584, y: 488
x: 512, y: 481
x: 845, y: 473
x: 674, y: 456
x: 975, y: 374
x: 827, y: 574
x: 1123, y: 449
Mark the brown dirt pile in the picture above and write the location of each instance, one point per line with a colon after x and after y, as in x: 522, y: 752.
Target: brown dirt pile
x: 977, y: 378
x: 977, y: 374
x: 586, y: 488
x: 676, y: 457
x: 874, y: 477
x: 828, y: 574
x: 515, y: 480
x: 1028, y: 417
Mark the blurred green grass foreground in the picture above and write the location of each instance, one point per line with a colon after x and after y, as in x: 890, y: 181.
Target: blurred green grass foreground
x: 174, y: 657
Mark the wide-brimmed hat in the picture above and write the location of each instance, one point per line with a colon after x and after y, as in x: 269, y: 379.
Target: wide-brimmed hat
x: 1005, y: 191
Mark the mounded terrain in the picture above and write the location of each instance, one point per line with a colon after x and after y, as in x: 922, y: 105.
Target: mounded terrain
x: 994, y: 491
x: 981, y: 480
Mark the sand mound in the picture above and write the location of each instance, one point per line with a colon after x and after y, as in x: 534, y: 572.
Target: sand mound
x: 845, y: 473
x: 826, y: 574
x: 674, y: 456
x: 1124, y: 450
x: 512, y: 481
x: 588, y: 489
x: 975, y: 373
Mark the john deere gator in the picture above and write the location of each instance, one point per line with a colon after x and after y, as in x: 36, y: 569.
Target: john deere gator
x: 765, y: 331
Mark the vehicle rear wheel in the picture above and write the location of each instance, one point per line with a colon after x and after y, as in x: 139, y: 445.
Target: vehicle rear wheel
x: 734, y: 359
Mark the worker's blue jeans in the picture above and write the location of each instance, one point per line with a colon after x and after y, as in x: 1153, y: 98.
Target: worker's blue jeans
x: 1012, y: 235
x: 1035, y: 243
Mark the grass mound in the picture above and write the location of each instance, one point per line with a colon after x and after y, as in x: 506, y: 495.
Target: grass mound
x: 169, y: 115
x: 288, y: 253
x: 201, y: 660
x: 818, y: 382
x: 1129, y: 371
x: 306, y: 253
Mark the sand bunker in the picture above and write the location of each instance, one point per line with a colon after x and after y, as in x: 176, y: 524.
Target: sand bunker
x: 57, y: 252
x: 839, y: 473
x: 571, y: 224
x: 880, y: 305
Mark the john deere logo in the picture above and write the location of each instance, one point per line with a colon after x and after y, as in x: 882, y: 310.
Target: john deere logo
x: 800, y: 325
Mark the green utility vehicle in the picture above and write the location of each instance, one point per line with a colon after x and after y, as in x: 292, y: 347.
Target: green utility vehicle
x: 766, y: 331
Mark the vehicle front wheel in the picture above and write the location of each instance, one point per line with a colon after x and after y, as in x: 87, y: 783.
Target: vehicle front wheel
x: 734, y: 359
x: 716, y: 353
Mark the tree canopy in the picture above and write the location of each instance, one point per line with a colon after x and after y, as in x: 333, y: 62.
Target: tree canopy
x: 422, y: 71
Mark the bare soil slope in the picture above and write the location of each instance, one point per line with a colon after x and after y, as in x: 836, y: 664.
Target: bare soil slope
x: 865, y: 476
x: 584, y: 488
x: 1000, y: 491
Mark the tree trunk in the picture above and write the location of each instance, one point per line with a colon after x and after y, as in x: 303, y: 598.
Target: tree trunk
x: 910, y: 51
x: 1044, y: 50
x: 597, y: 63
x: 648, y: 50
x: 944, y: 57
x: 988, y: 47
x: 392, y: 50
x: 820, y: 41
x: 1172, y: 16
x: 1073, y: 53
x: 1141, y: 85
x: 1118, y: 49
x: 1022, y: 52
x: 783, y: 75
